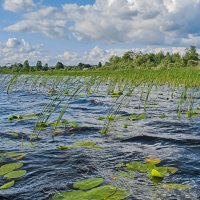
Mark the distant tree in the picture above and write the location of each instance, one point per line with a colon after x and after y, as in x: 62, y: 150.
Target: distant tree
x: 46, y: 67
x: 191, y: 54
x: 59, y: 65
x: 39, y: 65
x: 26, y: 66
x: 99, y: 65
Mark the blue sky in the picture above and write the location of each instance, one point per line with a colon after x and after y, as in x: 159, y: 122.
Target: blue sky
x: 90, y: 31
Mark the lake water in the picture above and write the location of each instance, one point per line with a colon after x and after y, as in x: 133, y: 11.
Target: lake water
x: 50, y: 170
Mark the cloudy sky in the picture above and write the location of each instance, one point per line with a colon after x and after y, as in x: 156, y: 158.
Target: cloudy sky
x: 90, y: 31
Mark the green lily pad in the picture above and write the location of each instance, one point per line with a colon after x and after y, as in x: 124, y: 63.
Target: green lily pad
x: 74, y: 195
x: 137, y: 166
x: 15, y: 174
x: 13, y: 134
x: 88, y: 184
x: 63, y: 147
x: 87, y: 144
x: 135, y: 117
x: 155, y: 173
x: 14, y: 155
x: 126, y: 174
x: 7, y: 185
x: 116, y: 93
x: 12, y: 117
x: 9, y: 168
x: 107, y: 192
x: 176, y: 186
x: 162, y: 116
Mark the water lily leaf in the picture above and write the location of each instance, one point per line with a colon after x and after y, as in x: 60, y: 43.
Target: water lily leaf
x: 15, y: 155
x: 165, y: 170
x: 63, y: 147
x: 162, y: 116
x: 74, y: 195
x: 7, y: 185
x: 88, y: 184
x: 156, y: 173
x: 13, y: 134
x: 173, y: 170
x: 116, y: 93
x: 120, y: 164
x: 9, y: 168
x: 137, y: 166
x: 176, y: 186
x: 152, y: 160
x: 15, y: 174
x: 86, y: 144
x: 126, y: 174
x: 12, y: 117
x: 107, y: 192
x: 135, y: 117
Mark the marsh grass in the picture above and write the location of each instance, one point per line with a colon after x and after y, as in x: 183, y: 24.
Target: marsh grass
x: 63, y: 86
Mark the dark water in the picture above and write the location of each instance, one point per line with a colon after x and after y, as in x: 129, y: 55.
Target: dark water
x: 175, y: 141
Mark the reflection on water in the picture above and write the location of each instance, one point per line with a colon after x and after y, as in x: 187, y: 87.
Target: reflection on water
x: 50, y: 170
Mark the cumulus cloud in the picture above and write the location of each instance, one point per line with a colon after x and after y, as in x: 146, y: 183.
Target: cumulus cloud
x: 153, y: 22
x: 18, y: 5
x: 15, y: 50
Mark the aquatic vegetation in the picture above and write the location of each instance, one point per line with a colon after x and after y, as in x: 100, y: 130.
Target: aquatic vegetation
x: 88, y: 183
x: 7, y: 185
x: 15, y: 174
x: 154, y: 173
x: 10, y: 170
x: 97, y: 193
x: 12, y: 117
x: 5, y: 169
x: 176, y: 186
x: 13, y: 155
x: 135, y: 117
x: 86, y: 144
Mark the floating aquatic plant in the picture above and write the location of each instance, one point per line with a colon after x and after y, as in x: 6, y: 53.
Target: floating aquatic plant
x: 15, y: 174
x: 88, y: 183
x: 7, y: 185
x: 98, y: 193
x: 86, y: 144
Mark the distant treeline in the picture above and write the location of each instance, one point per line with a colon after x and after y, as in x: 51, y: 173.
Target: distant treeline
x: 129, y: 60
x: 26, y: 67
x: 138, y: 59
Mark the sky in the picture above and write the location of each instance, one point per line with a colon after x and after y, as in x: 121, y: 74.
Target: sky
x: 91, y: 31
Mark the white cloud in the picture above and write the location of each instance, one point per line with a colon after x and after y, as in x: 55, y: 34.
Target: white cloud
x: 18, y: 5
x: 153, y: 22
x: 14, y: 51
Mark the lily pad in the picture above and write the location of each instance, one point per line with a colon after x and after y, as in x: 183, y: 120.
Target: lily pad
x: 87, y: 144
x: 135, y: 117
x: 9, y: 168
x: 126, y: 174
x: 15, y: 174
x: 63, y: 147
x: 107, y: 192
x: 74, y: 195
x: 155, y: 173
x: 14, y: 155
x: 137, y: 166
x: 7, y: 185
x: 176, y: 186
x: 116, y: 93
x: 88, y: 184
x: 152, y: 160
